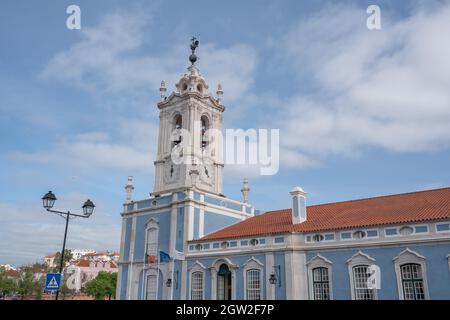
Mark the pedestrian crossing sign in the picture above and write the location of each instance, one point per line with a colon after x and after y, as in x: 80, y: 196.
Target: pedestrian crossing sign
x: 53, y: 281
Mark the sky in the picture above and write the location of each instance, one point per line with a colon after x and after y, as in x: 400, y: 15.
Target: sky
x: 361, y: 112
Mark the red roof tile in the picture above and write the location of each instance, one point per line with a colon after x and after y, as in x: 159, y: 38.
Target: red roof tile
x: 82, y: 263
x: 392, y: 209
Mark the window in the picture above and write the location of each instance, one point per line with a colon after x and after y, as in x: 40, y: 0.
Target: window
x: 224, y: 245
x: 320, y: 279
x: 360, y: 277
x: 359, y: 234
x: 406, y: 231
x: 321, y: 286
x: 177, y: 125
x: 152, y: 241
x: 151, y: 287
x: 318, y: 237
x: 197, y: 286
x: 410, y: 268
x: 412, y: 282
x: 204, y: 127
x: 253, y: 284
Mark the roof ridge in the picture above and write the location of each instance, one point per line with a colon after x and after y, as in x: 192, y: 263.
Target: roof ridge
x: 377, y: 197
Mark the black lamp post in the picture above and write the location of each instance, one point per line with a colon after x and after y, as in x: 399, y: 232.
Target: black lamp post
x: 48, y: 200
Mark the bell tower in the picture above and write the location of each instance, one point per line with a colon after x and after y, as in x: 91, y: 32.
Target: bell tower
x: 189, y: 142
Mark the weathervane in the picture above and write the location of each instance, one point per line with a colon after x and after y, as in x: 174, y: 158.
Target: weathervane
x: 194, y: 45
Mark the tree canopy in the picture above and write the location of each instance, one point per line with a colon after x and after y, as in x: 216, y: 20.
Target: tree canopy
x: 102, y: 286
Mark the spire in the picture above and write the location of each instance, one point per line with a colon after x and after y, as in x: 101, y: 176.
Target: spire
x: 245, y: 190
x: 129, y: 189
x: 162, y: 90
x: 219, y: 92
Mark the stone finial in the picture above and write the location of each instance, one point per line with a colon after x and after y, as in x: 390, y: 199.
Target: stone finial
x: 245, y: 190
x: 219, y: 92
x: 129, y: 189
x: 162, y: 90
x: 194, y: 44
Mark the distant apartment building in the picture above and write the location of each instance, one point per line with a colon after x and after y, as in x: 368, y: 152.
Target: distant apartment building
x: 77, y: 254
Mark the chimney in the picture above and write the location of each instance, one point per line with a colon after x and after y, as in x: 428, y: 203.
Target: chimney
x: 298, y: 205
x: 245, y: 190
x: 129, y: 189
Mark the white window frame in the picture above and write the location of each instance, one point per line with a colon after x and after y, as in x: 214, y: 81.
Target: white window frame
x: 359, y: 258
x: 405, y: 257
x: 197, y: 267
x: 442, y: 231
x: 253, y: 264
x: 319, y: 262
x: 151, y: 224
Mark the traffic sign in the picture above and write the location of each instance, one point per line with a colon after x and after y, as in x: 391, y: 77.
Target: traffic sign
x: 53, y: 281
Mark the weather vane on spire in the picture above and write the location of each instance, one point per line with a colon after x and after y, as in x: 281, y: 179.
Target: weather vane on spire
x: 194, y: 45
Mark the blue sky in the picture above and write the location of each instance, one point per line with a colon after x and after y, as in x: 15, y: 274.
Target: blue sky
x: 361, y: 113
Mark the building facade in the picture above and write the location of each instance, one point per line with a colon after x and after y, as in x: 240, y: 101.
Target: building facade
x: 189, y: 241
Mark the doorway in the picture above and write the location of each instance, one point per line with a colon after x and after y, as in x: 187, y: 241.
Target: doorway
x: 224, y: 283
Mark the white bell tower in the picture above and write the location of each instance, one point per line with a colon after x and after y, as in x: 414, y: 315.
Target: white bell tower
x: 189, y: 145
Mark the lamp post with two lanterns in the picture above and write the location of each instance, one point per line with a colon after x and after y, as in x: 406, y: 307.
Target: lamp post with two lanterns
x: 48, y: 200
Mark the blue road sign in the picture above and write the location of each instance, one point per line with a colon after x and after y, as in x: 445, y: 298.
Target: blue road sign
x: 53, y: 281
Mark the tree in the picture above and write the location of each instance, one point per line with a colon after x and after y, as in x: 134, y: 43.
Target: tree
x: 104, y: 285
x: 28, y: 284
x: 7, y: 284
x: 67, y: 257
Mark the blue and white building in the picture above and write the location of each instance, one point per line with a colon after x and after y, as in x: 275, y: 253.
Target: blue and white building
x: 391, y: 247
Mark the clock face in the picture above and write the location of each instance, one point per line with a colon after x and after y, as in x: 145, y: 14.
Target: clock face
x: 207, y: 173
x: 171, y: 172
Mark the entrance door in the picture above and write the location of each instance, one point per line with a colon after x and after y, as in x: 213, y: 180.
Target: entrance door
x: 224, y: 283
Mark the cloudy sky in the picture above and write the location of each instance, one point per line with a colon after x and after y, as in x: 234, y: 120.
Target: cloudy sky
x: 361, y: 113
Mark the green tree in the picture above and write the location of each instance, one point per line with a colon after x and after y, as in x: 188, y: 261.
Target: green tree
x: 104, y: 285
x: 67, y: 257
x: 28, y: 284
x: 7, y: 284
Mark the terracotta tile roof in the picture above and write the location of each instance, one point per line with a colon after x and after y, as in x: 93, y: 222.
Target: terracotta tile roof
x: 392, y: 209
x: 12, y: 273
x: 82, y: 263
x: 86, y: 263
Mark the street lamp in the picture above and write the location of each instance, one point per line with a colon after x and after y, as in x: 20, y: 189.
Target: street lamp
x: 276, y: 275
x: 48, y: 201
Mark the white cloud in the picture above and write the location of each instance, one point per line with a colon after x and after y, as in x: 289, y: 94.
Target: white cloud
x: 93, y: 151
x: 386, y: 89
x: 108, y: 59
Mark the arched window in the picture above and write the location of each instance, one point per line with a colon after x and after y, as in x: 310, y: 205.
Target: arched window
x: 178, y: 122
x: 411, y: 270
x: 361, y: 267
x: 253, y: 284
x: 197, y: 285
x: 176, y: 130
x: 204, y: 127
x: 321, y: 283
x: 320, y: 278
x: 412, y: 281
x: 360, y: 283
x: 152, y: 241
